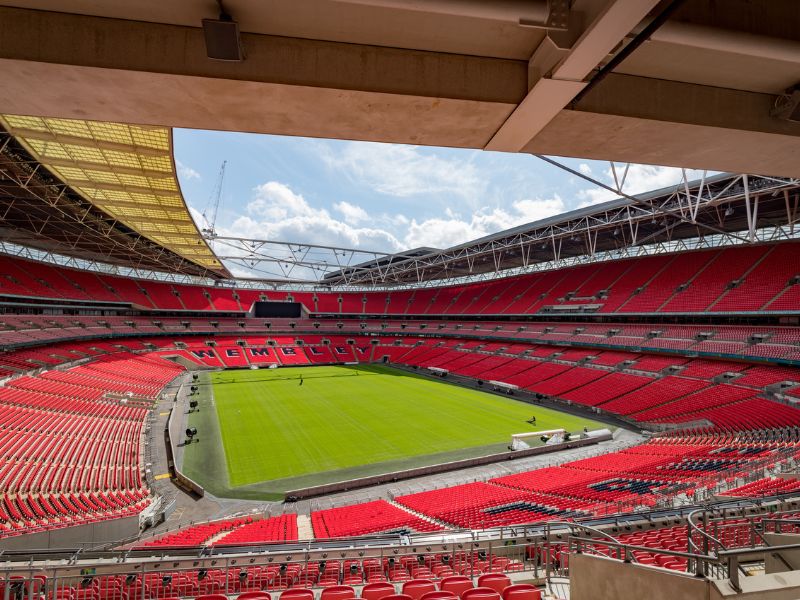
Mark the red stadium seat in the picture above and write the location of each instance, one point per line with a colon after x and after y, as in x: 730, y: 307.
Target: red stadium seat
x: 496, y: 581
x: 416, y: 588
x: 212, y: 597
x: 439, y: 595
x: 338, y: 592
x: 480, y: 593
x: 256, y: 595
x: 457, y: 584
x: 522, y: 591
x: 377, y: 591
x: 297, y: 594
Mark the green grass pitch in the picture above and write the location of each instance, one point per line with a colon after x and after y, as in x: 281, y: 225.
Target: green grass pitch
x: 262, y: 433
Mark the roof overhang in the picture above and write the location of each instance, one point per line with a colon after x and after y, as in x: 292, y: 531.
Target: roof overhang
x: 80, y: 173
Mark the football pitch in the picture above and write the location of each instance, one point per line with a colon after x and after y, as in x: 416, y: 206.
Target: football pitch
x: 267, y: 431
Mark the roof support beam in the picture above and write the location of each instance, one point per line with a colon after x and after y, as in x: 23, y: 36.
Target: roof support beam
x: 118, y: 187
x: 710, y: 128
x: 353, y: 91
x: 105, y: 168
x: 549, y: 95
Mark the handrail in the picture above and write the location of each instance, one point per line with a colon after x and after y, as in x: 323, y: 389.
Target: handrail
x: 572, y: 526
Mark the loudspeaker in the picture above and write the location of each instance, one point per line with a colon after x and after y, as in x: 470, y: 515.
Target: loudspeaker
x: 222, y: 39
x: 787, y: 105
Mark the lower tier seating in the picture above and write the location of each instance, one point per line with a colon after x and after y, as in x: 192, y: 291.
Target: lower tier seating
x: 71, y: 442
x: 371, y: 517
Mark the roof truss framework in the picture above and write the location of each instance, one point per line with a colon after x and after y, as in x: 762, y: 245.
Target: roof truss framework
x: 719, y: 210
x: 292, y: 262
x: 39, y: 210
x: 125, y: 171
x: 714, y: 211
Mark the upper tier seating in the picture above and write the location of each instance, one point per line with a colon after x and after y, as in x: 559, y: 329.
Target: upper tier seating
x: 721, y: 280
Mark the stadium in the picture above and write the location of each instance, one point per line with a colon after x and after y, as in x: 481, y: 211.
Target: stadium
x: 598, y: 404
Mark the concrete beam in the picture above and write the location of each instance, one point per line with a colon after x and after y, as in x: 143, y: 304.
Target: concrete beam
x: 637, y: 119
x: 65, y: 65
x: 549, y: 95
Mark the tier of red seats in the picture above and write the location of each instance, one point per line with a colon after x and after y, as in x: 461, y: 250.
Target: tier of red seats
x: 71, y: 442
x: 482, y: 505
x: 439, y: 575
x: 768, y: 486
x: 781, y: 342
x: 720, y: 280
x: 282, y: 528
x: 246, y: 530
x: 194, y: 535
x: 371, y: 517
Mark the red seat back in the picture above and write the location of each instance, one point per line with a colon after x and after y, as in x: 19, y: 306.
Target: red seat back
x: 213, y: 597
x: 438, y: 595
x: 497, y: 581
x: 416, y: 588
x: 337, y: 592
x: 259, y: 595
x: 480, y: 593
x: 458, y: 584
x: 297, y: 594
x: 377, y: 590
x: 522, y: 591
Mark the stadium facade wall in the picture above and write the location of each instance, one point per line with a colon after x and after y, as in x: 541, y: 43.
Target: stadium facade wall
x: 596, y: 578
x: 91, y: 535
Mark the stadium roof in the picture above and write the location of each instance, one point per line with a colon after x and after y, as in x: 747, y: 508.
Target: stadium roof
x: 700, y: 83
x: 108, y: 192
x: 122, y: 175
x: 722, y: 209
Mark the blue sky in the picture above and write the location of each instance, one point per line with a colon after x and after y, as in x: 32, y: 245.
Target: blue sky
x: 381, y: 197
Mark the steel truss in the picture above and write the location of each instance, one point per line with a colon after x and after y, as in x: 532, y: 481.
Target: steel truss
x: 293, y: 262
x: 714, y: 211
x: 717, y: 211
x: 46, y: 256
x: 39, y: 210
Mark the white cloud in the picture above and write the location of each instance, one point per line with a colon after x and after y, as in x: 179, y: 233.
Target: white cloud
x: 278, y: 213
x: 351, y: 212
x: 197, y: 216
x: 404, y: 171
x: 640, y: 178
x: 585, y: 169
x: 186, y: 172
x: 276, y: 201
x: 442, y: 233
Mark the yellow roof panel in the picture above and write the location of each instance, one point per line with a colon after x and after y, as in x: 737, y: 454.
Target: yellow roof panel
x: 125, y: 170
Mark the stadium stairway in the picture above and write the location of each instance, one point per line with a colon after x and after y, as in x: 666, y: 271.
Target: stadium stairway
x: 420, y: 515
x: 304, y: 529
